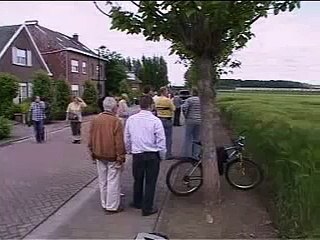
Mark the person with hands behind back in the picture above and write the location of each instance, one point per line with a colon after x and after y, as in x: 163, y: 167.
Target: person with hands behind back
x: 107, y: 148
x: 146, y: 141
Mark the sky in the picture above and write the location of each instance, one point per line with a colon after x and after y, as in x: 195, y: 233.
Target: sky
x: 286, y: 47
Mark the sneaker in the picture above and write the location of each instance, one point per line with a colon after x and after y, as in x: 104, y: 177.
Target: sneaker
x: 122, y: 194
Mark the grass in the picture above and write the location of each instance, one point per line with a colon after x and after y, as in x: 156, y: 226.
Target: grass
x: 283, y: 134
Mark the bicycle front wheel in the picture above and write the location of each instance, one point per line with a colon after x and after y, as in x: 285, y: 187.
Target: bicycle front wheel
x: 243, y: 174
x: 184, y: 177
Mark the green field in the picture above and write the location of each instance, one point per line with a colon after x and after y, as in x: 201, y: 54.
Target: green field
x: 283, y: 135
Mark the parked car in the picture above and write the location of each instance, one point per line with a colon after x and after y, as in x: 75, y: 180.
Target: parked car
x: 184, y: 94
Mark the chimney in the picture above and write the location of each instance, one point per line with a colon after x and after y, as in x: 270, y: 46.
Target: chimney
x: 75, y: 37
x: 31, y: 22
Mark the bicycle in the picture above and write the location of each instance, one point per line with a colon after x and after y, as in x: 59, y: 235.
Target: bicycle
x: 230, y: 161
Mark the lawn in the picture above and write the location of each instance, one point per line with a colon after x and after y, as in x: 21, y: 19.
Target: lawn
x: 283, y: 135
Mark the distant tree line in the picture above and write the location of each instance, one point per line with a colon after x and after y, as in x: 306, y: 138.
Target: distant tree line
x: 233, y: 83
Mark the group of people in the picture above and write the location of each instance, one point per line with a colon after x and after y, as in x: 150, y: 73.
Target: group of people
x: 147, y: 136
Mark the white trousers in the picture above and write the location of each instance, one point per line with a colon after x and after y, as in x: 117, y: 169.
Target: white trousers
x: 109, y: 184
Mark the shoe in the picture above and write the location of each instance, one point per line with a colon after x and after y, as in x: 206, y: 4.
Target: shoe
x: 134, y: 206
x: 169, y: 158
x: 122, y: 194
x: 153, y: 211
x: 110, y: 212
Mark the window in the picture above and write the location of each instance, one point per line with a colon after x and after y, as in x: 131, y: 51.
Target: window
x: 21, y: 57
x: 75, y: 90
x: 23, y: 91
x: 92, y: 69
x: 74, y: 66
x: 98, y: 70
x: 84, y: 67
x: 30, y: 90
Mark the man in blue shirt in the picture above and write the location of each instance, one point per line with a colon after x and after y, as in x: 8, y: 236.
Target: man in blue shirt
x: 37, y: 111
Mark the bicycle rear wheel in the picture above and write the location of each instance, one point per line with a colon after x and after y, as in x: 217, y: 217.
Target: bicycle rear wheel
x: 184, y: 177
x: 244, y: 174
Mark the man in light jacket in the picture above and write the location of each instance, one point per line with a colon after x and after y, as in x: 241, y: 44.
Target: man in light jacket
x: 145, y: 140
x: 108, y: 150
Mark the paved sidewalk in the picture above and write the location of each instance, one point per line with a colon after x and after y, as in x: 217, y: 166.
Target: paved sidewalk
x: 82, y: 217
x: 241, y: 215
x: 22, y: 131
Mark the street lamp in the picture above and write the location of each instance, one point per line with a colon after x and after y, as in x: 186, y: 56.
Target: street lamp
x: 100, y: 50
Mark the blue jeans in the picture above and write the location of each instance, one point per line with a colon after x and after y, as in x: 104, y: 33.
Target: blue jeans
x: 167, y: 125
x: 192, y: 133
x: 39, y: 130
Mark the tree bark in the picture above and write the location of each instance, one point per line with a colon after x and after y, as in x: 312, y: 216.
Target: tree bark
x: 206, y: 86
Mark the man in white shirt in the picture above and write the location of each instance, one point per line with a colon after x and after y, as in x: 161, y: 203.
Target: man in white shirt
x: 146, y: 141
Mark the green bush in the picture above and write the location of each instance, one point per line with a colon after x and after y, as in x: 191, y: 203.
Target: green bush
x: 89, y: 110
x: 5, y: 128
x: 42, y: 86
x: 286, y: 143
x: 16, y: 108
x: 62, y: 98
x: 90, y: 94
x: 9, y: 86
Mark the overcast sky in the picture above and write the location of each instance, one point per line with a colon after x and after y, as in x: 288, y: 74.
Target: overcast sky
x: 286, y: 46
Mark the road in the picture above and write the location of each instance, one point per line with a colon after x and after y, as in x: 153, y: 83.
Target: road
x: 36, y: 179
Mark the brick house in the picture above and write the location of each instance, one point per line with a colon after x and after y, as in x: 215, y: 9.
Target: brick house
x: 29, y: 47
x: 20, y: 56
x: 134, y: 82
x: 68, y: 58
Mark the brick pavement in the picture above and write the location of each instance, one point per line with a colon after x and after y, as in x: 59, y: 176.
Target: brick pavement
x: 35, y: 180
x: 83, y: 217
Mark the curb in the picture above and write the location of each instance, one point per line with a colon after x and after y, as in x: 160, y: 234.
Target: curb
x: 58, y: 208
x: 10, y: 142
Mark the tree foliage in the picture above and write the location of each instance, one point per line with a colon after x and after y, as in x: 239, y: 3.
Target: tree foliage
x: 115, y: 71
x: 5, y: 127
x: 212, y: 29
x: 42, y: 85
x: 9, y: 86
x: 90, y: 94
x: 152, y: 71
x: 62, y: 97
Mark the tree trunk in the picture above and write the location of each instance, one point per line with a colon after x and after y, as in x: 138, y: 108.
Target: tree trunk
x: 206, y: 85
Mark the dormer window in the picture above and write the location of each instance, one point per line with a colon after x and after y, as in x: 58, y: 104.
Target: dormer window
x: 21, y: 57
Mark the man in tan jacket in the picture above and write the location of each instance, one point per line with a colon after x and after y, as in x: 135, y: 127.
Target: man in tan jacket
x: 107, y: 148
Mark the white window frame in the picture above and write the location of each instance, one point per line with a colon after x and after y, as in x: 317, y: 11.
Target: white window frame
x: 74, y: 66
x: 30, y: 90
x: 75, y: 89
x: 21, y: 57
x: 84, y: 67
x: 22, y: 96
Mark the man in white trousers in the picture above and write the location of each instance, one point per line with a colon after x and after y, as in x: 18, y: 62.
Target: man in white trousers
x: 107, y: 148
